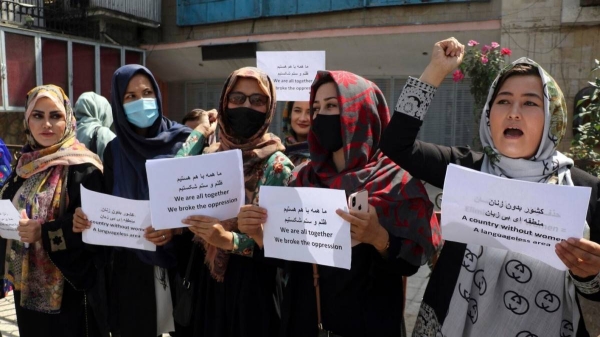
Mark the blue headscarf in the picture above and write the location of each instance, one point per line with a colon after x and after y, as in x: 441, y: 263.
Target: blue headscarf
x: 5, y: 160
x: 130, y: 150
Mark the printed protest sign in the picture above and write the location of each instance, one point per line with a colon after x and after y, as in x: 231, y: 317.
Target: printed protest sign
x: 302, y: 225
x: 9, y: 220
x: 210, y: 185
x: 116, y: 221
x: 524, y: 217
x: 293, y: 72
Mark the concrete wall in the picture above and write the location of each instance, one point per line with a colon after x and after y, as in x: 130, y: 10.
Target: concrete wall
x: 385, y: 16
x: 566, y: 49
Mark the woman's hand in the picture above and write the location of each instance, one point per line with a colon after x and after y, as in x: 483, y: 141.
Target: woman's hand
x: 365, y: 228
x: 158, y: 237
x: 210, y: 230
x: 250, y: 222
x: 80, y: 221
x: 446, y: 56
x: 581, y: 256
x: 208, y: 123
x: 30, y: 231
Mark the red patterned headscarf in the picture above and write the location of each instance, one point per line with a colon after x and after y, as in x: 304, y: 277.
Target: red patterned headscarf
x: 402, y: 204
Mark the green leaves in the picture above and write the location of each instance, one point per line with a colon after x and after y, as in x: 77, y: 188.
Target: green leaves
x: 585, y: 142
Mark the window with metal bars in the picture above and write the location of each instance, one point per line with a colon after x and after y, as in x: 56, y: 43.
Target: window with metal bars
x: 449, y: 119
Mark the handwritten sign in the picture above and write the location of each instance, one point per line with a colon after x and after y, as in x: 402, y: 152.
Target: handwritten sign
x: 210, y: 185
x: 116, y: 222
x: 302, y: 225
x: 292, y: 71
x: 9, y: 220
x: 527, y: 218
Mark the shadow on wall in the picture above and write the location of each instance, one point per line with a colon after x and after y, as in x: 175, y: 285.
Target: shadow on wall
x: 11, y: 130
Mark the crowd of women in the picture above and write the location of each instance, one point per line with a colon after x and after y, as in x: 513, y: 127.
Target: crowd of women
x: 344, y: 138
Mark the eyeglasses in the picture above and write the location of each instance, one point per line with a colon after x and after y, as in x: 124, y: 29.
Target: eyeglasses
x: 239, y: 98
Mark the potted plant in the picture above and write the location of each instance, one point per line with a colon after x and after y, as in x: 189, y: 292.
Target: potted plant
x: 481, y: 65
x: 586, y: 138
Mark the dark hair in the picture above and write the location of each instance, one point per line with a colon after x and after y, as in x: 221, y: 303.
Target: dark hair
x: 317, y: 84
x: 521, y: 69
x: 192, y: 116
x: 288, y: 107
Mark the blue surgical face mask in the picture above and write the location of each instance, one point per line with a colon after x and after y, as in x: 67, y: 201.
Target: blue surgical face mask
x: 141, y: 113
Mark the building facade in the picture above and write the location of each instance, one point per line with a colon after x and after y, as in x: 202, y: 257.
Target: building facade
x: 76, y: 45
x: 383, y: 40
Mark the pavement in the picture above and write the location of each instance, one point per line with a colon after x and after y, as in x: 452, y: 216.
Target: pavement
x: 8, y: 317
x: 414, y: 294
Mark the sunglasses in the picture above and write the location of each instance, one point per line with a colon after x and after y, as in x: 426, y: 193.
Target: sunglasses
x: 255, y: 99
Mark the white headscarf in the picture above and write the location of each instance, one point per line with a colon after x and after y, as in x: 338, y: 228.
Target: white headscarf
x: 547, y: 161
x: 502, y: 293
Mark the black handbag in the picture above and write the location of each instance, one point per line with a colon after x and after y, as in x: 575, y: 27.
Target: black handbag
x: 184, y: 307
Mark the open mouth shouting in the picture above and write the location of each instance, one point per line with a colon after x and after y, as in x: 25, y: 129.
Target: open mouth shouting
x: 513, y: 132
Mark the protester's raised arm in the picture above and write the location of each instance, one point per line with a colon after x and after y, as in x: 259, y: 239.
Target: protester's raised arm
x: 446, y: 56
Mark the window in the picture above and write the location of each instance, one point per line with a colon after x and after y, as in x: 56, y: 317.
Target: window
x: 54, y: 63
x: 133, y: 57
x: 450, y: 119
x: 38, y: 58
x: 584, y: 3
x: 20, y: 67
x: 84, y: 69
x: 110, y: 61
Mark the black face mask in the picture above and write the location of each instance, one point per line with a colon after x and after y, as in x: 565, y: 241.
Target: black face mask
x: 328, y: 129
x: 244, y: 122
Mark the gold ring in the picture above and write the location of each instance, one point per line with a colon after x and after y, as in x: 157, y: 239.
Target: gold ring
x: 164, y: 237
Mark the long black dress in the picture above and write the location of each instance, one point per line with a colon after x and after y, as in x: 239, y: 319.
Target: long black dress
x: 83, y: 308
x: 132, y: 297
x: 366, y: 300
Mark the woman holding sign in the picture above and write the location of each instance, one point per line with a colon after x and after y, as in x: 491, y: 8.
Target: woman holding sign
x: 141, y: 301
x: 296, y: 124
x: 397, y: 234
x: 483, y: 291
x: 52, y: 270
x: 236, y: 287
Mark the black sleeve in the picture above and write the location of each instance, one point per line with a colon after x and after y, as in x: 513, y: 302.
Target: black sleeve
x: 65, y: 248
x: 581, y: 178
x: 109, y: 176
x: 391, y: 263
x: 422, y: 160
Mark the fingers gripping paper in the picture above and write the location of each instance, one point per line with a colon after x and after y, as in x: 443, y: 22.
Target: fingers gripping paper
x: 210, y: 185
x: 527, y: 218
x: 302, y: 225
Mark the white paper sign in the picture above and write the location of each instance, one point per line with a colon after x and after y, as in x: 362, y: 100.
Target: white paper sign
x: 9, y: 220
x: 116, y: 222
x: 210, y: 185
x: 302, y: 225
x: 292, y: 71
x: 523, y: 217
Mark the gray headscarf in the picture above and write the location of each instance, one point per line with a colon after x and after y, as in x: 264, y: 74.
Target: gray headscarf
x: 93, y: 112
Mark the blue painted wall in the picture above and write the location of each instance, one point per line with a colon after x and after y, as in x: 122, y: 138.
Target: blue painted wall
x: 198, y: 12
